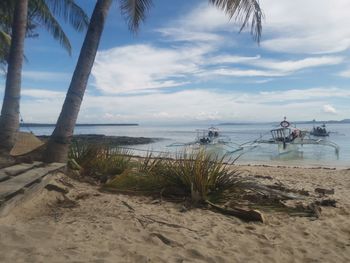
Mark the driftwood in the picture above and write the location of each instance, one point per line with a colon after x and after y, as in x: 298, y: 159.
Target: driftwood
x: 327, y: 202
x: 324, y: 191
x: 56, y: 188
x: 246, y: 215
x: 128, y: 206
x: 315, y: 209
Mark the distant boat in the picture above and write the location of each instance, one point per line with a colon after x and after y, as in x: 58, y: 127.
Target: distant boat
x: 212, y: 141
x: 288, y: 138
x: 320, y: 131
x: 210, y: 136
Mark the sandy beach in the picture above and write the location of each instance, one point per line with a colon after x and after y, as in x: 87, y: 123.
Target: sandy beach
x: 104, y: 227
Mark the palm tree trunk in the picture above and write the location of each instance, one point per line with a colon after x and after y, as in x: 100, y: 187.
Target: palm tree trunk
x: 58, y: 144
x: 9, y: 119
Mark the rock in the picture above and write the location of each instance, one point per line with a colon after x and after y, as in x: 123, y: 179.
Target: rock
x: 109, y: 140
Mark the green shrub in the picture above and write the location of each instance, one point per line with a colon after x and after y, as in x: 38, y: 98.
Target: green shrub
x: 98, y: 160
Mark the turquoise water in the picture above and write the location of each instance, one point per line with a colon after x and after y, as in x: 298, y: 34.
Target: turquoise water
x: 307, y: 155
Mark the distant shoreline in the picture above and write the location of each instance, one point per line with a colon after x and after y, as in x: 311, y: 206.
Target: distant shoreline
x: 108, y: 140
x: 79, y: 124
x: 346, y: 121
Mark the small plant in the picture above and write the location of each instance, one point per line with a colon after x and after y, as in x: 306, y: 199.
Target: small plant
x: 204, y: 176
x: 98, y: 160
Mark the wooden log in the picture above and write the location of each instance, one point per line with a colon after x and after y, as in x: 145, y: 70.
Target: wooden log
x: 245, y: 215
x: 324, y: 191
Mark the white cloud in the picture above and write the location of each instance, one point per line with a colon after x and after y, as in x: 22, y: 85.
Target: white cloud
x: 200, y: 24
x: 141, y: 67
x: 329, y: 109
x: 235, y: 72
x: 312, y: 26
x: 223, y: 59
x: 206, y: 18
x: 194, y: 105
x: 196, y: 39
x: 344, y: 73
x: 45, y: 75
x: 43, y: 94
x: 301, y: 94
x: 182, y: 34
x: 295, y: 65
x: 275, y: 68
x: 298, y: 26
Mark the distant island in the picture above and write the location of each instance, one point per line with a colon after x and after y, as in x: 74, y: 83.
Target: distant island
x: 295, y: 122
x: 327, y: 122
x: 78, y: 124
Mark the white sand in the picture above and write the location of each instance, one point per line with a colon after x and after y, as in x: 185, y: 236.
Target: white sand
x: 104, y: 229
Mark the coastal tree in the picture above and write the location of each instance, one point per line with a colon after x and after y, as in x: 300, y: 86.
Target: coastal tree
x: 19, y: 19
x: 9, y: 119
x: 248, y: 12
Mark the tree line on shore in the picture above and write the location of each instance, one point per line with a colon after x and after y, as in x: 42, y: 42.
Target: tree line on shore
x: 20, y: 19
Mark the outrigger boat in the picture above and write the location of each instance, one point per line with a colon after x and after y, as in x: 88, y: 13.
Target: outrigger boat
x: 210, y: 139
x: 210, y: 136
x: 320, y: 131
x: 288, y: 138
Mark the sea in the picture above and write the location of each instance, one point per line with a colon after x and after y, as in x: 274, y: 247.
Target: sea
x: 174, y: 137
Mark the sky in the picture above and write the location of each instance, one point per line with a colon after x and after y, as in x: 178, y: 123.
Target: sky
x: 189, y: 64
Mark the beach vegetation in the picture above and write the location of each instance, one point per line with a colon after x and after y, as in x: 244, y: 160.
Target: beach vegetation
x: 195, y: 176
x: 98, y: 161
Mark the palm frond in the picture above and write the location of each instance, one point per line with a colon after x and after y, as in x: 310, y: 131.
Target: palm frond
x: 70, y: 12
x: 134, y: 11
x: 5, y: 41
x: 247, y: 12
x: 5, y: 38
x: 47, y: 20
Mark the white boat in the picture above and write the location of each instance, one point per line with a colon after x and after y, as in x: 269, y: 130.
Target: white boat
x: 289, y: 138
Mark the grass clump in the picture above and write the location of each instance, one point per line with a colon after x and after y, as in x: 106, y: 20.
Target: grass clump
x: 197, y: 176
x: 98, y: 161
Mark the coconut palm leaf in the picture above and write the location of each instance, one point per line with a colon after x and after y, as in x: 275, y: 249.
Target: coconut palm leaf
x: 70, y: 12
x: 5, y: 41
x: 248, y: 12
x: 134, y: 11
x: 42, y: 14
x: 5, y: 38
